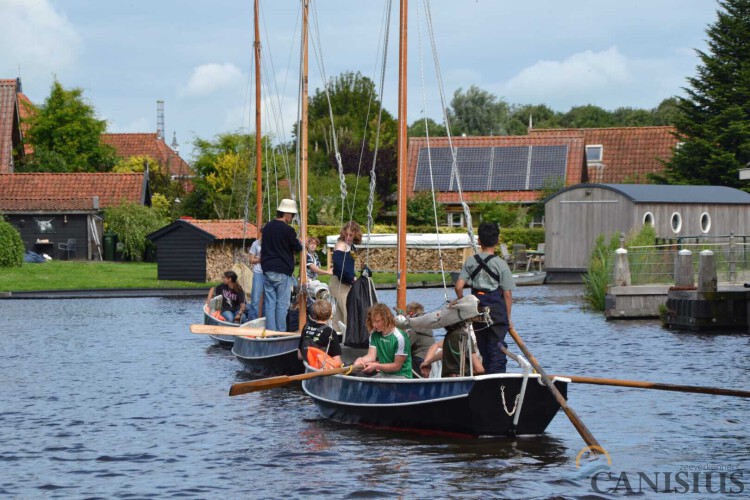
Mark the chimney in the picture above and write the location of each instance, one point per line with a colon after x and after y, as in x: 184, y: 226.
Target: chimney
x: 160, y: 120
x: 18, y: 85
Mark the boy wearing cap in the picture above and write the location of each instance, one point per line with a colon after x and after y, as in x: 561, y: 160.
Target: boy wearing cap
x: 280, y: 243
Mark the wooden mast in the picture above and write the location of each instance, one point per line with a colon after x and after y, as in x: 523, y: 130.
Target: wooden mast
x: 258, y: 147
x: 402, y: 158
x: 303, y: 168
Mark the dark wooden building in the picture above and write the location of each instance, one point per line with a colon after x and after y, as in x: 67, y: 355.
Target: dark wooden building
x: 55, y: 213
x: 200, y: 250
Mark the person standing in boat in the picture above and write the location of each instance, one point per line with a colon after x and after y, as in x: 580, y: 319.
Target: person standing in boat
x: 344, y: 254
x: 316, y: 333
x: 389, y: 353
x: 313, y: 262
x: 253, y: 307
x: 232, y: 298
x: 492, y: 283
x: 280, y: 243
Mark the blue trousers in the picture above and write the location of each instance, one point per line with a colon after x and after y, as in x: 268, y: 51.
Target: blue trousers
x: 277, y: 292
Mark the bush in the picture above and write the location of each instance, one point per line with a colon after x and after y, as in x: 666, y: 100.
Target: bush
x: 132, y: 222
x: 11, y: 246
x: 597, y: 275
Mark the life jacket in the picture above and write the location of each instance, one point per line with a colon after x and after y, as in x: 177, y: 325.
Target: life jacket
x: 317, y: 358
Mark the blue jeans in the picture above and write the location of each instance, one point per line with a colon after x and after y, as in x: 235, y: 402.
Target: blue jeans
x: 253, y: 308
x: 230, y: 315
x: 277, y: 290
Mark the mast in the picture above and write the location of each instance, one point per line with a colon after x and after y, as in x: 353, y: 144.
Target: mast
x: 258, y: 147
x: 303, y: 167
x: 402, y: 152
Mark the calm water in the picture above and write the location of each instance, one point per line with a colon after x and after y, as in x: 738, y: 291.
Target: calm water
x: 115, y: 398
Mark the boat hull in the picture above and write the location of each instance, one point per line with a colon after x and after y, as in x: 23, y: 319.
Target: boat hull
x: 268, y: 357
x: 220, y: 340
x: 464, y: 405
x: 530, y: 278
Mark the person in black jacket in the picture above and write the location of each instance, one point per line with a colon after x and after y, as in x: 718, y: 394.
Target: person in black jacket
x: 280, y: 243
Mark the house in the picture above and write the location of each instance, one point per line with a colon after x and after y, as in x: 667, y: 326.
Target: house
x: 52, y: 211
x: 501, y: 168
x: 577, y: 215
x: 621, y: 155
x: 200, y: 250
x: 151, y: 144
x: 11, y: 132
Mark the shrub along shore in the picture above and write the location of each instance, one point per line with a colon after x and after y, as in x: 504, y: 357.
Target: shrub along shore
x: 90, y: 275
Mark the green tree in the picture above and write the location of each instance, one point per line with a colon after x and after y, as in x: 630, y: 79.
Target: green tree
x: 714, y: 123
x: 422, y: 211
x: 420, y: 127
x: 11, y: 245
x: 478, y: 112
x: 588, y: 116
x: 132, y: 222
x: 66, y: 135
x: 540, y: 116
x: 667, y: 112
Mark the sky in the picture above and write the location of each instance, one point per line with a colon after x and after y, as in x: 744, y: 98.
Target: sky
x: 196, y: 55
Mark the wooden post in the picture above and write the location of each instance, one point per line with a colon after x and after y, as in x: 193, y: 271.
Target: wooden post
x: 731, y: 258
x: 622, y: 268
x: 707, y: 272
x: 258, y: 135
x: 402, y: 157
x: 303, y: 169
x: 683, y: 269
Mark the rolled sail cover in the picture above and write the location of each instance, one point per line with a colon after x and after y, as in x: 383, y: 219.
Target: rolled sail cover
x: 361, y: 296
x: 463, y: 310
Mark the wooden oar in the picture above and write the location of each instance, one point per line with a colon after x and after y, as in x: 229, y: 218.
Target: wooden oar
x: 245, y: 331
x: 590, y: 440
x: 270, y: 383
x: 657, y: 386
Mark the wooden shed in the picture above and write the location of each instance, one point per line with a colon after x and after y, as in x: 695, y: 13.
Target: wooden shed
x: 200, y: 250
x: 577, y: 215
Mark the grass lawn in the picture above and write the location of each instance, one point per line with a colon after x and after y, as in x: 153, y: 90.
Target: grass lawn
x: 87, y: 275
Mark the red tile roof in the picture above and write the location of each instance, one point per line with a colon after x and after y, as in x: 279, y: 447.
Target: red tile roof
x: 225, y: 229
x: 9, y: 124
x: 575, y: 172
x: 68, y: 192
x: 138, y: 144
x: 628, y: 153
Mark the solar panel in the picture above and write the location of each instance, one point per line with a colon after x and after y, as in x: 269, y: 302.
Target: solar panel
x: 473, y: 168
x: 547, y: 162
x: 509, y: 167
x: 441, y: 160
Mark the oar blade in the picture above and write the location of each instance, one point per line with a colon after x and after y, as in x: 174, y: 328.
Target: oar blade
x: 259, y: 385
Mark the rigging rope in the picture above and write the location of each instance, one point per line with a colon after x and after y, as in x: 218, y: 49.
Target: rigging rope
x: 454, y: 160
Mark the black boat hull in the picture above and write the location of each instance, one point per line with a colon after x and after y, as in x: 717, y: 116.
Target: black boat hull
x: 466, y: 405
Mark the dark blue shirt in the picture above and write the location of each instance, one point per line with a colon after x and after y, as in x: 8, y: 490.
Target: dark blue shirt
x: 279, y: 245
x: 343, y: 265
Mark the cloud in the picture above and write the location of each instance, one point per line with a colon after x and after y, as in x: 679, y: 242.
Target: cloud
x: 36, y: 37
x: 580, y: 78
x: 208, y: 78
x: 137, y: 125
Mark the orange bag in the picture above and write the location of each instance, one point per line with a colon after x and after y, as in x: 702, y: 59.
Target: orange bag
x: 319, y: 359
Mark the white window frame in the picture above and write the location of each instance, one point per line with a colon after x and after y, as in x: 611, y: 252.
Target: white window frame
x: 601, y: 153
x: 451, y: 222
x: 675, y: 215
x: 647, y: 216
x: 706, y: 229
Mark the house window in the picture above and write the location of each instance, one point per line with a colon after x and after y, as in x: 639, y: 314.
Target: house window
x: 676, y: 222
x: 594, y: 153
x: 705, y: 222
x: 648, y: 219
x: 455, y: 219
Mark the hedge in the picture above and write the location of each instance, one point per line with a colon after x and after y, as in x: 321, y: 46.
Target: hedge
x: 11, y: 246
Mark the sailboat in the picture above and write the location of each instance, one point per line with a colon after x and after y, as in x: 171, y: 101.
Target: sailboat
x: 495, y: 405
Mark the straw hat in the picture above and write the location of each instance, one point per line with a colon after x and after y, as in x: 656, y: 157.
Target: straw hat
x: 287, y: 206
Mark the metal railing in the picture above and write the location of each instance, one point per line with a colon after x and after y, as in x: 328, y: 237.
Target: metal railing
x: 654, y: 264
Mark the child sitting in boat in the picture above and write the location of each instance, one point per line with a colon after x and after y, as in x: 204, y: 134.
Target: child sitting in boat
x: 316, y: 333
x: 448, y: 351
x: 389, y: 353
x: 420, y: 340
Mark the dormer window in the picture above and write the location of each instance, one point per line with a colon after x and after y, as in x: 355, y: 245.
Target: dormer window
x: 594, y: 153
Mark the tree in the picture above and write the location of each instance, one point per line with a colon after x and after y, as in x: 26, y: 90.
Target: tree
x: 478, y: 112
x: 422, y: 211
x: 66, y: 135
x: 714, y: 123
x: 540, y: 116
x: 132, y: 222
x: 11, y: 245
x: 588, y: 116
x: 420, y: 127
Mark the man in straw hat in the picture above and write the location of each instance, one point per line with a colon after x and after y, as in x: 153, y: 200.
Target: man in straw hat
x: 280, y: 243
